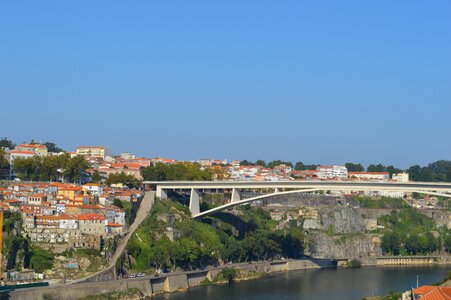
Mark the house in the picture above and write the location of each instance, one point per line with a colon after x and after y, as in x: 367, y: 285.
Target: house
x: 93, y: 188
x: 332, y: 172
x: 94, y: 151
x: 369, y: 176
x: 37, y: 199
x: 401, y: 177
x: 37, y: 149
x: 113, y: 228
x: 70, y: 191
x: 428, y: 292
x: 92, y: 224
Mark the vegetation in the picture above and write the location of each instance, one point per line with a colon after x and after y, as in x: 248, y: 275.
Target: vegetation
x: 5, y: 143
x: 380, y: 202
x: 354, y: 263
x: 50, y: 168
x: 410, y: 233
x: 3, y: 159
x: 198, y: 244
x: 131, y: 293
x: 354, y: 167
x: 18, y: 250
x: 436, y: 171
x: 177, y: 171
x: 122, y: 178
x: 129, y: 207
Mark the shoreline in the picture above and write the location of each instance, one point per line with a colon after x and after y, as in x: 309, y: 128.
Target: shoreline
x: 183, y: 281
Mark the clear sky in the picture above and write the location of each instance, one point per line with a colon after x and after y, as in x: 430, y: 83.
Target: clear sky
x: 316, y: 81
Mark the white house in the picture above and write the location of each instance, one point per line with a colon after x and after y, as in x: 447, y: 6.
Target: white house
x: 331, y: 172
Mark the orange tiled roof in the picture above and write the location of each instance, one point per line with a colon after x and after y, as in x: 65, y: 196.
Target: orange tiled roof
x: 90, y: 217
x: 429, y: 292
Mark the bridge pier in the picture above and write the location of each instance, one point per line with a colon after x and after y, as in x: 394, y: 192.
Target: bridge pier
x: 161, y: 193
x: 235, y: 195
x: 194, y: 202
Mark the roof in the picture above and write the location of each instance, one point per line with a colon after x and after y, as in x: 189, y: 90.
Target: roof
x: 38, y: 195
x: 429, y: 292
x: 31, y: 146
x: 110, y: 224
x: 21, y: 152
x: 97, y: 147
x: 368, y: 173
x: 89, y: 206
x: 90, y: 217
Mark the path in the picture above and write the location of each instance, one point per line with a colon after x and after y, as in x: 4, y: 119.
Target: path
x: 143, y: 211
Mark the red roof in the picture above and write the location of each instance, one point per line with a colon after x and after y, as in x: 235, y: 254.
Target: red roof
x: 90, y: 217
x: 429, y: 292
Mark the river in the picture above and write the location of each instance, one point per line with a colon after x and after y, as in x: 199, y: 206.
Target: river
x: 322, y: 284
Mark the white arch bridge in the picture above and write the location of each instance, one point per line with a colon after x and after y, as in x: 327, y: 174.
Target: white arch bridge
x: 273, y: 188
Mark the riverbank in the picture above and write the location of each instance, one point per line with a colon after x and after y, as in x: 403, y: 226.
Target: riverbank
x: 183, y: 281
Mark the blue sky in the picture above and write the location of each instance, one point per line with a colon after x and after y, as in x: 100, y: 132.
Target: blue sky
x: 316, y: 81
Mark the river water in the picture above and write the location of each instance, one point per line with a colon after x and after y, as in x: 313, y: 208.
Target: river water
x: 346, y: 284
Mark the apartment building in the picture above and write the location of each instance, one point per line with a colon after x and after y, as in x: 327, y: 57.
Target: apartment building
x: 94, y: 151
x: 332, y: 172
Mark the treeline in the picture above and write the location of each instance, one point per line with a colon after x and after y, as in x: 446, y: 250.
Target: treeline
x: 436, y: 171
x: 177, y: 171
x: 50, y: 168
x: 408, y: 232
x: 232, y: 239
x: 51, y: 147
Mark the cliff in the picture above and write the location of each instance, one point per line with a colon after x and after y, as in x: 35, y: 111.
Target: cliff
x: 337, y: 232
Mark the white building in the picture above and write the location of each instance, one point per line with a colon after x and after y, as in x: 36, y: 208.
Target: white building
x: 401, y: 177
x: 332, y: 172
x: 369, y: 175
x: 93, y: 188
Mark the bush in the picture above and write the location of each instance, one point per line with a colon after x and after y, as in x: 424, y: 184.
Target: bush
x: 354, y: 263
x: 228, y: 274
x: 41, y: 260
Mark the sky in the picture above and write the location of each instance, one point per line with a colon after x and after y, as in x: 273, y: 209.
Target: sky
x: 323, y: 82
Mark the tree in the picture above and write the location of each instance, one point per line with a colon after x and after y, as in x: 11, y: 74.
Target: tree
x: 391, y: 243
x: 261, y: 163
x: 299, y: 166
x: 5, y: 143
x: 178, y: 171
x: 51, y: 147
x: 376, y: 168
x: 354, y: 167
x: 96, y: 177
x: 122, y: 178
x: 278, y: 162
x: 246, y: 162
x: 3, y: 160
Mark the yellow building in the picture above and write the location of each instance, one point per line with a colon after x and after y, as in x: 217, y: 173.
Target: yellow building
x: 38, y: 149
x: 94, y: 151
x: 70, y: 192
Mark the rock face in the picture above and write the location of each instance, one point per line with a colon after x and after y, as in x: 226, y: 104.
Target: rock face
x: 337, y: 232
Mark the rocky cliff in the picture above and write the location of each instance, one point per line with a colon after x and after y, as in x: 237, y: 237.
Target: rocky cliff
x: 337, y: 232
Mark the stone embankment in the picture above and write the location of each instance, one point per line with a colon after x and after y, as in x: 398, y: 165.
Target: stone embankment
x: 166, y: 283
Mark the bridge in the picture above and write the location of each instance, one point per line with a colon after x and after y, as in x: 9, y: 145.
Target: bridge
x: 268, y: 189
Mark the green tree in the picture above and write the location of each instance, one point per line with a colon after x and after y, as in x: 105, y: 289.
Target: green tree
x: 178, y: 171
x: 51, y: 147
x: 376, y: 168
x: 261, y: 163
x: 96, y: 177
x: 3, y: 159
x: 5, y: 143
x: 299, y: 166
x: 278, y: 162
x: 354, y: 167
x: 246, y: 162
